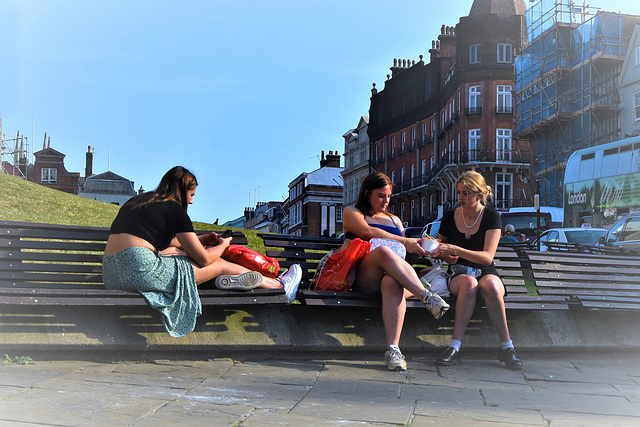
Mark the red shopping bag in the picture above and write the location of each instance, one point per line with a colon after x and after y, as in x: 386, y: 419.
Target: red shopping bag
x: 252, y: 260
x: 333, y: 275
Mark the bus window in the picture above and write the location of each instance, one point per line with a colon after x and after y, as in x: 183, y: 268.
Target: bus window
x: 587, y: 167
x: 610, y: 162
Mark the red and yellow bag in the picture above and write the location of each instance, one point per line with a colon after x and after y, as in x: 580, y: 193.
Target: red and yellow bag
x: 252, y: 260
x: 333, y: 275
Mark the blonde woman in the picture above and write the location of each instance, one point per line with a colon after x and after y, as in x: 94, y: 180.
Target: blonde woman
x: 469, y: 238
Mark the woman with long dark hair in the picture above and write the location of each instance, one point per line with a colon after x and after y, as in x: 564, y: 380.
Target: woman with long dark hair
x: 382, y: 270
x: 152, y: 248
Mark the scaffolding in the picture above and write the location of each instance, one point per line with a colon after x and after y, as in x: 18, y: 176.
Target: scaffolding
x: 566, y: 84
x: 13, y: 154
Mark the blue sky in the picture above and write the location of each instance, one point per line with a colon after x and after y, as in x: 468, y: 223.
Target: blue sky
x: 246, y: 94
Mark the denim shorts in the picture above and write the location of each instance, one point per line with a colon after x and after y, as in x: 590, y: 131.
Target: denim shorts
x: 478, y: 272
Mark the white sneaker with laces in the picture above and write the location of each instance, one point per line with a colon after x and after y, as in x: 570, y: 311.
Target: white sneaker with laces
x: 290, y: 279
x: 436, y: 305
x: 395, y: 360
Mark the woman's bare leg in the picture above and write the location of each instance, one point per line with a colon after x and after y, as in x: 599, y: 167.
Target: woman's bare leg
x: 465, y: 288
x: 394, y: 307
x: 381, y: 261
x: 223, y: 267
x: 492, y: 291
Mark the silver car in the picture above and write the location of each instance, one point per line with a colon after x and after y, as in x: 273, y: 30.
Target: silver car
x: 584, y: 235
x: 624, y: 234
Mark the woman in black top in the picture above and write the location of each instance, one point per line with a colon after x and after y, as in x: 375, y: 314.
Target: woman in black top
x: 469, y: 238
x: 152, y: 248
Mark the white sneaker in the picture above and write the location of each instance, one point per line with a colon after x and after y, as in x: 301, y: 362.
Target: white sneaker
x: 239, y: 282
x: 436, y: 305
x: 290, y: 279
x: 395, y: 360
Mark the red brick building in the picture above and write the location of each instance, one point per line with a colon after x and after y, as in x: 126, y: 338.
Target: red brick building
x: 435, y: 120
x: 315, y: 200
x: 49, y: 170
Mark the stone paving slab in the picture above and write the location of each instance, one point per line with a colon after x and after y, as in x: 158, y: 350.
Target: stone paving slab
x: 581, y: 390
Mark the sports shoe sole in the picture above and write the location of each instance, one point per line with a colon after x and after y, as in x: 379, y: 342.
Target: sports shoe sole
x: 239, y: 282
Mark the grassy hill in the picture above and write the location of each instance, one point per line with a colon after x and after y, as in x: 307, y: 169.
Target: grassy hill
x: 22, y: 200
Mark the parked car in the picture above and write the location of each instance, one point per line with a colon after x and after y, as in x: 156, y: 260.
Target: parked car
x: 414, y: 232
x: 585, y: 235
x: 624, y: 234
x: 431, y: 229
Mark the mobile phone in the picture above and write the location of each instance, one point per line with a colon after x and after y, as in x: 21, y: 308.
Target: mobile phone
x: 227, y: 233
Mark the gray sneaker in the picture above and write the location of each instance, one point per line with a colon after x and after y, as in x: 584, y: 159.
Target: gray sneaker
x: 239, y: 282
x: 436, y: 305
x: 395, y: 360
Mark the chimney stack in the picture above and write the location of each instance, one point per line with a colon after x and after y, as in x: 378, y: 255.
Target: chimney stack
x: 88, y: 169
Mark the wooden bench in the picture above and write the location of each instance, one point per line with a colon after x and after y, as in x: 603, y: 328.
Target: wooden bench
x: 601, y: 281
x: 308, y: 251
x: 61, y: 265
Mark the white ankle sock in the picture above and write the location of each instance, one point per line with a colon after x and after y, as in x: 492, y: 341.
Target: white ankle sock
x: 394, y: 347
x: 455, y: 344
x: 506, y: 345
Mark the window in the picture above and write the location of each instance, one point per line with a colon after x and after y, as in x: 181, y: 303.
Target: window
x: 393, y: 147
x: 474, y: 145
x: 504, y: 190
x: 403, y: 136
x: 503, y: 145
x: 339, y: 213
x: 413, y: 174
x: 49, y: 175
x: 637, y: 56
x: 433, y: 128
x: 413, y: 137
x: 474, y: 54
x: 475, y: 99
x: 402, y: 211
x: 376, y: 153
x: 413, y: 208
x: 424, y: 167
x: 432, y: 162
x: 424, y: 131
x: 504, y: 99
x: 393, y: 177
x: 632, y: 230
x: 636, y: 105
x: 505, y: 53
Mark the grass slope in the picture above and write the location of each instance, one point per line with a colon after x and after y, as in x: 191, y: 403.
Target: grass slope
x: 26, y: 201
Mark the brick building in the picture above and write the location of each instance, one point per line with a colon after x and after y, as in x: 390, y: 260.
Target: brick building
x: 434, y: 120
x: 315, y: 200
x: 49, y: 170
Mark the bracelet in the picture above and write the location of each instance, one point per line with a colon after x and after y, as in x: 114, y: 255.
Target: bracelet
x: 405, y: 240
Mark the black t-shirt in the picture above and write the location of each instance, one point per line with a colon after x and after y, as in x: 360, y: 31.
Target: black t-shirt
x: 157, y: 223
x: 490, y: 220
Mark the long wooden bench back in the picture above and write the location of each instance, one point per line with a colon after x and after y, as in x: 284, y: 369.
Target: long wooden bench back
x: 49, y: 264
x: 308, y: 251
x: 589, y: 280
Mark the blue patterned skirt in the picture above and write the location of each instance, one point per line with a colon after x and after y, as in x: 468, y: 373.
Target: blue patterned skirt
x: 167, y: 282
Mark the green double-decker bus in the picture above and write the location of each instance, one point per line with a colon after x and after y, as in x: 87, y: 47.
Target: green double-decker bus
x: 602, y: 183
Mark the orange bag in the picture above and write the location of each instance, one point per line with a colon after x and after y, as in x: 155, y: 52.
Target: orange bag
x: 333, y: 275
x: 252, y: 260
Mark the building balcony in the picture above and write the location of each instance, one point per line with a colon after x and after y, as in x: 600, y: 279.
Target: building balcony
x: 504, y: 109
x: 484, y: 156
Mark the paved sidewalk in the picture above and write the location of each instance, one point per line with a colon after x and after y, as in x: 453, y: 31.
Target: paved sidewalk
x: 559, y: 390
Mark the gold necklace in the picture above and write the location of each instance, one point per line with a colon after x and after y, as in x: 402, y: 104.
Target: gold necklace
x: 474, y: 222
